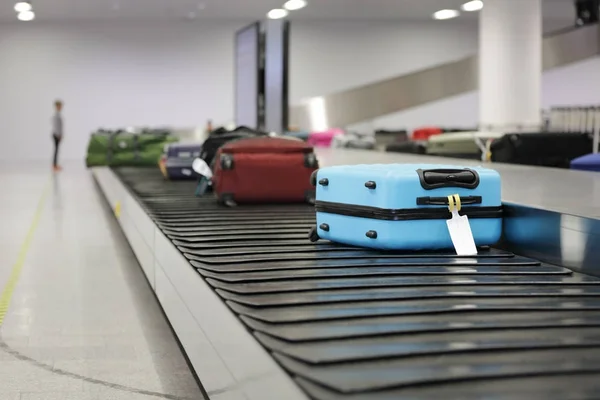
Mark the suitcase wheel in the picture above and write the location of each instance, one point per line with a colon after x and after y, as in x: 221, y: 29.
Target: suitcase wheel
x: 310, y: 161
x: 313, y: 235
x: 227, y: 199
x: 372, y: 234
x: 310, y: 197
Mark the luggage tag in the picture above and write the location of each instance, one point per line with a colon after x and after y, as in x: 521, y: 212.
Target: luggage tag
x: 460, y: 229
x: 201, y: 168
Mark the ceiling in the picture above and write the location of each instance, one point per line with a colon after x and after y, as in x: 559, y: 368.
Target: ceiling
x: 248, y: 10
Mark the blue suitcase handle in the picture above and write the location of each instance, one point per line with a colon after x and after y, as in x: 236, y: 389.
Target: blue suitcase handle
x: 438, y: 178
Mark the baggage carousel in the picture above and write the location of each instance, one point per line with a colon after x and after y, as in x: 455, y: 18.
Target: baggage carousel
x: 263, y: 313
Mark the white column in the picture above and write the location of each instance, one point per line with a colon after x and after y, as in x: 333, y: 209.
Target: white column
x: 510, y: 65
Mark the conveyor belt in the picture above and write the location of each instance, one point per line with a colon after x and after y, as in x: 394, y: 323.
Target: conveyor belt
x: 349, y: 323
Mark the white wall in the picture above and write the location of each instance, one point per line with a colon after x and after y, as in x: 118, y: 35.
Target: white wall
x: 331, y: 56
x: 109, y: 76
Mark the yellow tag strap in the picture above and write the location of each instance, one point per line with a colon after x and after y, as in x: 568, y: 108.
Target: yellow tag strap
x: 488, y: 150
x: 457, y: 201
x: 451, y: 203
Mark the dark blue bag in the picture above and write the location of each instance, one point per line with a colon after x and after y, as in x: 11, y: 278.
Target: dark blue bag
x: 590, y: 162
x: 179, y: 159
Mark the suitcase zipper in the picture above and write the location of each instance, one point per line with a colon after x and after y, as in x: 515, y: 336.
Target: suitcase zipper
x: 404, y: 214
x: 443, y: 201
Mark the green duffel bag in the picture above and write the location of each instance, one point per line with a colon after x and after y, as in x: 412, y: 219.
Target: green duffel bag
x: 149, y: 140
x: 127, y: 149
x: 136, y: 159
x: 99, y: 142
x: 96, y: 160
x: 125, y: 142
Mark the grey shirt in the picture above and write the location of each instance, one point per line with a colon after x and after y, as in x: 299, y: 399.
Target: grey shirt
x: 57, y: 125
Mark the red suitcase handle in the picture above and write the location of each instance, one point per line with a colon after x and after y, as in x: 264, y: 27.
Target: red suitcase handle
x: 266, y: 145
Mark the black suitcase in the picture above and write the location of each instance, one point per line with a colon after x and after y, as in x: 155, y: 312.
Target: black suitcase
x: 548, y: 149
x: 458, y: 130
x: 384, y: 137
x: 220, y: 136
x: 407, y: 147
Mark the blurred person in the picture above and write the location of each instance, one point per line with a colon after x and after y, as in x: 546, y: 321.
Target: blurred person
x: 57, y: 132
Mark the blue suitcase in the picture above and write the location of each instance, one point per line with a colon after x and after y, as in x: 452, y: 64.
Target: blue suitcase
x: 179, y: 159
x: 590, y: 162
x: 404, y: 206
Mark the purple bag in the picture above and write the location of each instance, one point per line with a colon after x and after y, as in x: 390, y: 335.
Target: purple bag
x: 590, y: 162
x: 179, y: 159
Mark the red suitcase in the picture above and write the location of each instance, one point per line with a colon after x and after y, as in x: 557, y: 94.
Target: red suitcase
x: 425, y: 133
x: 264, y: 170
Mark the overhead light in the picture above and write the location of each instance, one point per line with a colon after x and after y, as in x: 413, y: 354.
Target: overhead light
x: 23, y: 6
x: 445, y: 14
x: 26, y: 16
x: 277, y: 13
x: 474, y: 5
x: 294, y: 4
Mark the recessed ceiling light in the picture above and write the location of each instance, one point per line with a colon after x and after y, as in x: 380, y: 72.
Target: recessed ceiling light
x: 277, y: 13
x: 26, y: 16
x: 294, y: 4
x: 23, y: 6
x: 474, y: 5
x: 445, y: 14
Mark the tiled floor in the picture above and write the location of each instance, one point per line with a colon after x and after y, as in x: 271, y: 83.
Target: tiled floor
x: 83, y: 323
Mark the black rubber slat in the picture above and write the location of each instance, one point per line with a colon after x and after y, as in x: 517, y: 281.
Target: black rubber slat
x: 458, y: 368
x: 582, y: 386
x: 376, y: 294
x: 256, y: 228
x: 259, y: 220
x: 323, y: 312
x: 398, y: 282
x: 315, y: 256
x: 263, y: 276
x: 462, y: 265
x: 230, y: 244
x: 465, y: 321
x: 424, y: 344
x: 295, y: 249
x: 234, y: 237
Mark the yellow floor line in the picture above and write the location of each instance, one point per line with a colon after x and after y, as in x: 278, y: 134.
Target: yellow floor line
x: 13, y: 279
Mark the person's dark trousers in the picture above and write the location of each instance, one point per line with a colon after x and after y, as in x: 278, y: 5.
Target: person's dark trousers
x: 56, y: 145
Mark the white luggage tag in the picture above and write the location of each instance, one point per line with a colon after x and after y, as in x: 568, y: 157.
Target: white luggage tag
x: 201, y: 168
x: 460, y: 229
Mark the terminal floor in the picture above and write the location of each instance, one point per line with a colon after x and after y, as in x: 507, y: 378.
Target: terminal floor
x: 82, y: 321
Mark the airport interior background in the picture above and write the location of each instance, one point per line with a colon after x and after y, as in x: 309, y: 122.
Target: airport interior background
x: 303, y: 199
